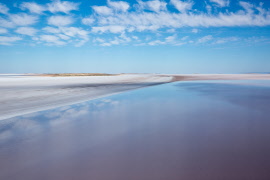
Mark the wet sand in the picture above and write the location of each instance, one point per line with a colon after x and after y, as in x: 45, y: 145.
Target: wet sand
x: 22, y: 94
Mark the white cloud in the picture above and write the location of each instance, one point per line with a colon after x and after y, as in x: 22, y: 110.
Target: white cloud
x: 153, y: 5
x: 255, y: 39
x: 112, y: 29
x: 195, y: 31
x: 205, y: 39
x: 33, y: 7
x: 102, y: 10
x: 69, y: 31
x: 182, y: 6
x: 3, y: 31
x: 135, y: 37
x: 51, y: 40
x: 81, y: 42
x: 3, y: 9
x: 247, y: 6
x: 121, y: 39
x: 88, y: 20
x: 54, y: 7
x: 106, y: 44
x: 119, y: 5
x: 73, y: 31
x: 6, y: 40
x: 6, y: 23
x: 221, y: 3
x: 23, y: 19
x: 99, y: 40
x: 171, y: 38
x: 141, y: 28
x: 60, y: 20
x: 64, y: 37
x: 184, y: 38
x: 170, y: 30
x: 62, y: 6
x: 156, y: 42
x: 124, y: 37
x: 70, y: 34
x: 226, y: 40
x: 51, y: 29
x: 209, y: 9
x: 116, y: 41
x: 26, y: 31
x: 260, y: 8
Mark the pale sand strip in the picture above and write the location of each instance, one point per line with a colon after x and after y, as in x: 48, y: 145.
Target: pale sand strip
x: 26, y: 94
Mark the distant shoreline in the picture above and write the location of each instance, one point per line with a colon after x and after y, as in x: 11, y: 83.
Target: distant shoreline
x: 77, y: 74
x: 196, y: 77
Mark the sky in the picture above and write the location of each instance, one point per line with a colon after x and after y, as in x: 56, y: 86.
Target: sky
x: 135, y: 36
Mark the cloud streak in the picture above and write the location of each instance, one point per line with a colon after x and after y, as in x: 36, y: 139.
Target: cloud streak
x: 121, y: 6
x: 3, y: 9
x: 60, y: 20
x: 182, y: 6
x: 3, y: 31
x: 26, y: 31
x: 221, y: 3
x: 62, y: 6
x: 32, y: 7
x: 64, y: 35
x: 8, y: 40
x: 23, y: 19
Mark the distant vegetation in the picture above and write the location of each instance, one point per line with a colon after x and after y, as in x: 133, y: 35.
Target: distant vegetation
x: 78, y: 74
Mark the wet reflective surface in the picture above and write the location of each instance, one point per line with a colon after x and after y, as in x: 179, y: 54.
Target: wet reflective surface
x: 210, y: 130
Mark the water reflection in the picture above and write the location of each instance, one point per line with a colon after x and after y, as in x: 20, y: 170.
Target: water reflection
x: 188, y: 130
x: 249, y: 93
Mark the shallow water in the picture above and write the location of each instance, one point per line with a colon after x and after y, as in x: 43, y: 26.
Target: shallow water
x: 211, y: 130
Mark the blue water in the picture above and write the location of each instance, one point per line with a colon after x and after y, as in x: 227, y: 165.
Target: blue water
x: 185, y: 130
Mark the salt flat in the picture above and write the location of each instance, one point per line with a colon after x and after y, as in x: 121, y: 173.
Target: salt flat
x: 22, y: 94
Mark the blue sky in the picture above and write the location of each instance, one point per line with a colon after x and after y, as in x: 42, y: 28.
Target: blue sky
x: 157, y: 36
